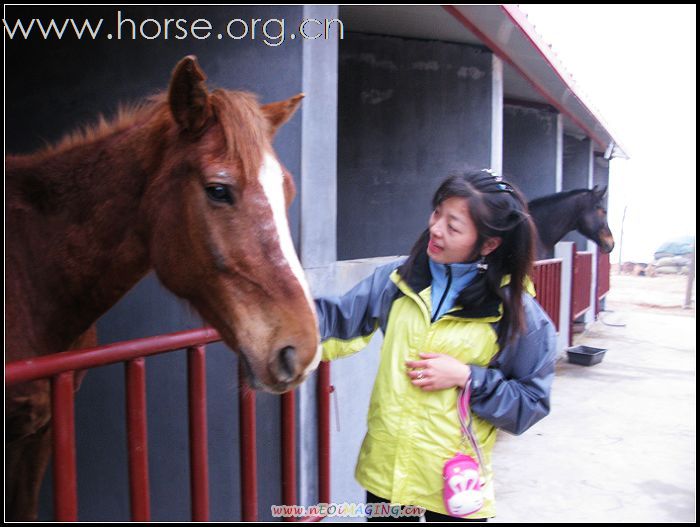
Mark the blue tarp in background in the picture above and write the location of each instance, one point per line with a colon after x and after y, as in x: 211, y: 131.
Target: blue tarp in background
x: 677, y: 247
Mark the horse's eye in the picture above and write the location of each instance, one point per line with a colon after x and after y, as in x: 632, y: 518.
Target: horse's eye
x: 220, y: 193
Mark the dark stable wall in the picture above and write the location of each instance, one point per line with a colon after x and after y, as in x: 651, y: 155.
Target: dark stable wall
x: 601, y: 175
x: 530, y: 149
x: 409, y: 112
x: 577, y: 161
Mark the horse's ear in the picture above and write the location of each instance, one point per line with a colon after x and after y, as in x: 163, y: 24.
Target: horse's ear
x: 600, y: 192
x: 280, y: 112
x: 188, y: 95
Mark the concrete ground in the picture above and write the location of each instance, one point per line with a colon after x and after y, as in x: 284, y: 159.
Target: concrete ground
x: 619, y: 444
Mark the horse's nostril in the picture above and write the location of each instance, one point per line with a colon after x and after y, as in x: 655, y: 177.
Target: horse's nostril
x: 288, y: 363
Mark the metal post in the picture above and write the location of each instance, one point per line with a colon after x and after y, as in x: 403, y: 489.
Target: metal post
x: 249, y: 476
x: 691, y: 278
x: 289, y: 451
x: 324, y: 389
x: 199, y: 457
x: 566, y: 251
x: 65, y: 489
x: 137, y: 440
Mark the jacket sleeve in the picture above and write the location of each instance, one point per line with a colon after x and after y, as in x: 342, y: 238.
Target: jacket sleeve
x: 348, y: 322
x: 513, y: 394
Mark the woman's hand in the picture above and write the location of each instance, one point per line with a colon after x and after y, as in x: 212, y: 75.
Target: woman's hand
x: 437, y: 372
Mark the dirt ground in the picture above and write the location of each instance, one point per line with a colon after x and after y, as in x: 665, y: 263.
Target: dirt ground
x: 663, y: 293
x: 619, y: 443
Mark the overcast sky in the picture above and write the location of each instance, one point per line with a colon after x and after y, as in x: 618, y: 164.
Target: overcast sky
x: 636, y: 65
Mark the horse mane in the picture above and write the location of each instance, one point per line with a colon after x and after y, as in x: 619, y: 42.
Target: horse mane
x: 232, y: 108
x: 557, y: 197
x: 128, y: 114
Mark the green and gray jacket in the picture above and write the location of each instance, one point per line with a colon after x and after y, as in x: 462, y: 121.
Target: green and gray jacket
x: 411, y: 432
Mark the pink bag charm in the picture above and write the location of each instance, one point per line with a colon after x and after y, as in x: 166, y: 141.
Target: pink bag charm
x: 462, y: 492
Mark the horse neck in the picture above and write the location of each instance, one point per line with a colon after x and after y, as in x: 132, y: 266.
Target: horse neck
x: 555, y: 218
x: 76, y: 236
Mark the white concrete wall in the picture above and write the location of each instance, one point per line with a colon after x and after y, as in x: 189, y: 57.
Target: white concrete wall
x: 564, y: 250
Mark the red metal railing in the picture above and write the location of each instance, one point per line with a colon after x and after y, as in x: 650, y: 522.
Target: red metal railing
x: 582, y: 277
x: 603, y: 279
x: 546, y: 276
x: 60, y: 369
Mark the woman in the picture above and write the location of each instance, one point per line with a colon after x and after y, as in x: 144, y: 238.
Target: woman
x: 457, y: 312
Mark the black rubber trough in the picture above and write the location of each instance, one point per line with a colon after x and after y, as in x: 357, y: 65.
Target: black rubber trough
x: 585, y: 355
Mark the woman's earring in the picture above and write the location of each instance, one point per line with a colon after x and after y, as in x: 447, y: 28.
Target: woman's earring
x: 481, y: 265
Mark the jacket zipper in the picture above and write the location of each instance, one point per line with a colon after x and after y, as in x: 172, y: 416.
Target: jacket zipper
x: 447, y: 290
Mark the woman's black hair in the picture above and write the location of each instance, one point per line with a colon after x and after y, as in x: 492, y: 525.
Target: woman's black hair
x: 497, y: 209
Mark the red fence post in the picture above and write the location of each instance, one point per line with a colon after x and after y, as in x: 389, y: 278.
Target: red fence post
x: 137, y: 433
x: 603, y: 280
x: 289, y: 451
x: 557, y: 286
x: 323, y: 407
x: 249, y: 476
x: 323, y: 391
x: 199, y: 456
x: 65, y: 488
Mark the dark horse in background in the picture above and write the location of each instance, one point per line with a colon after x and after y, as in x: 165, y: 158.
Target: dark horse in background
x: 581, y: 210
x: 187, y: 184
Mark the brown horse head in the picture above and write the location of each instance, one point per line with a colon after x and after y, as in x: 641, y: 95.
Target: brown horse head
x: 581, y: 209
x: 593, y: 223
x: 218, y: 229
x: 188, y: 185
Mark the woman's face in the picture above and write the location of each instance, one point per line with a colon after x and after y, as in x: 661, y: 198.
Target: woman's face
x: 453, y: 234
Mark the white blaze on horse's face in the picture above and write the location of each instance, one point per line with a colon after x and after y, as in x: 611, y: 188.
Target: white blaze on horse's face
x: 272, y: 181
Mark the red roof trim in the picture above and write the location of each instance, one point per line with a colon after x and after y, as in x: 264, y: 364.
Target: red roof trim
x: 504, y: 56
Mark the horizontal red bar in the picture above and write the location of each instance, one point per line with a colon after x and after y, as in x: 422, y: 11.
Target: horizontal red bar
x: 49, y: 365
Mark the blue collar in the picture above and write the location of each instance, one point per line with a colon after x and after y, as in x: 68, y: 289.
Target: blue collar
x: 458, y: 269
x: 456, y: 276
